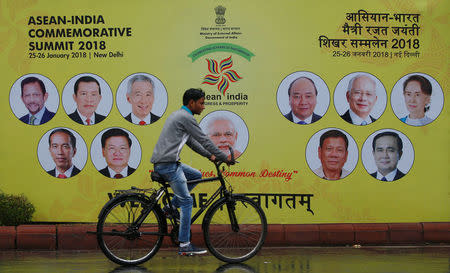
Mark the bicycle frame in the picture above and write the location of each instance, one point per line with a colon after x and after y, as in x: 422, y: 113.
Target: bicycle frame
x: 163, y: 192
x: 132, y: 225
x: 222, y: 190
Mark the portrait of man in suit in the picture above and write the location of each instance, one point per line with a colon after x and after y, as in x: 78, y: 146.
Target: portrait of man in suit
x: 34, y: 95
x: 361, y: 97
x: 387, y: 149
x: 116, y: 145
x: 87, y: 96
x: 62, y: 147
x: 302, y: 94
x: 223, y: 133
x: 141, y: 96
x: 333, y: 153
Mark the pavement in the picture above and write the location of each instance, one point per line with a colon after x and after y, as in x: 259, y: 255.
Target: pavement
x: 376, y: 259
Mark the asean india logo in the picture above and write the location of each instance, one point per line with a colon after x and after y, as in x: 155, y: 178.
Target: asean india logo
x: 221, y: 74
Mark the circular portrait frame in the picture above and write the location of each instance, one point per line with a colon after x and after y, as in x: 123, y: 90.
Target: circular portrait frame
x: 45, y: 158
x: 404, y: 164
x: 340, y: 97
x: 18, y: 107
x: 160, y: 101
x: 322, y: 99
x: 242, y: 139
x: 398, y: 103
x: 104, y: 106
x: 99, y: 161
x: 314, y: 162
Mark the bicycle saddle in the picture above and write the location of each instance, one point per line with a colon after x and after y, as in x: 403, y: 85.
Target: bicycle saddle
x: 157, y: 178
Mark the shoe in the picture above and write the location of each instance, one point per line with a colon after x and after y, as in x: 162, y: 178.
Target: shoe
x: 171, y: 213
x: 191, y: 250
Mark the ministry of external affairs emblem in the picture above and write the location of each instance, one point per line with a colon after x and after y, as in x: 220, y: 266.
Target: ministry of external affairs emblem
x: 220, y: 12
x: 221, y: 74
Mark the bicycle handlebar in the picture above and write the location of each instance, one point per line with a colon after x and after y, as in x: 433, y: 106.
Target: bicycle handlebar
x: 232, y: 159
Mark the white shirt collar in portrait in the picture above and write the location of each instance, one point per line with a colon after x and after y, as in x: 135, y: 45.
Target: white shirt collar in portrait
x: 297, y: 120
x: 67, y: 173
x: 358, y: 120
x: 321, y: 174
x: 83, y: 118
x: 389, y: 177
x: 124, y: 172
x: 136, y: 120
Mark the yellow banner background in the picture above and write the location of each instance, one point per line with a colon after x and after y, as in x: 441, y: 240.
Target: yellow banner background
x: 283, y: 35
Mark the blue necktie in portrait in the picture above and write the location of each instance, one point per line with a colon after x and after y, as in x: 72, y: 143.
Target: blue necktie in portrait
x: 301, y: 122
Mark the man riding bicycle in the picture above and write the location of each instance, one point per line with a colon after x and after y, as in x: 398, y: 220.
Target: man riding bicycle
x: 181, y: 128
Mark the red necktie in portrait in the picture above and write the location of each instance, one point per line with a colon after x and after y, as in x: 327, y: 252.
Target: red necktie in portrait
x: 118, y: 175
x: 142, y: 122
x: 88, y: 121
x: 62, y: 175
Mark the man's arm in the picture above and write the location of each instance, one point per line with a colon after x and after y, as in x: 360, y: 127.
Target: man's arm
x: 198, y: 148
x: 200, y: 143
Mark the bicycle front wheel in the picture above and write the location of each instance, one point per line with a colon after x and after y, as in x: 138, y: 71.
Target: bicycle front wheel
x: 121, y: 240
x: 235, y: 229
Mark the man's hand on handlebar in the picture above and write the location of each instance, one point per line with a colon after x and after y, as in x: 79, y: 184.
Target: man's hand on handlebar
x: 230, y: 159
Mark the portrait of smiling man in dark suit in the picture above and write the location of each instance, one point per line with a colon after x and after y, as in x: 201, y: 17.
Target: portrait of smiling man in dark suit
x: 87, y: 95
x: 361, y: 97
x: 62, y: 147
x: 116, y: 147
x: 141, y: 96
x: 387, y: 149
x: 34, y: 95
x: 302, y: 94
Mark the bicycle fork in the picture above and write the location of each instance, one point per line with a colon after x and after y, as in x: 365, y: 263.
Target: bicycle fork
x: 231, y: 206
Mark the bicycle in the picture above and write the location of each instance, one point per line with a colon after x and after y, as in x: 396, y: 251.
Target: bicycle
x: 132, y: 225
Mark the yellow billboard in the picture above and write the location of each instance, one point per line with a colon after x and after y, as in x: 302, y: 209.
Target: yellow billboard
x: 337, y: 112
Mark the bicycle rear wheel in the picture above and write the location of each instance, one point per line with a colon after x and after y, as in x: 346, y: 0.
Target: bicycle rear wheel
x: 234, y: 243
x: 120, y: 240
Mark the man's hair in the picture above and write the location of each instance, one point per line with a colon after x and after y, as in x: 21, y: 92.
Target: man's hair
x: 32, y: 80
x: 352, y: 80
x: 115, y: 132
x: 333, y: 133
x: 192, y: 94
x: 211, y: 122
x: 299, y: 78
x: 425, y: 85
x: 139, y: 78
x: 73, y: 140
x: 392, y: 134
x: 86, y: 79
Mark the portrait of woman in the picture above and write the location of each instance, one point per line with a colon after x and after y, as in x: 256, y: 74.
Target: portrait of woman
x: 417, y: 93
x: 417, y: 99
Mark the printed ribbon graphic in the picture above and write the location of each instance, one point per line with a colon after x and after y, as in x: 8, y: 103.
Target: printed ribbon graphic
x: 221, y: 47
x: 221, y: 75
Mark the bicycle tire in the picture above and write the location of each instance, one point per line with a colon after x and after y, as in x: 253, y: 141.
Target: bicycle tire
x: 240, y: 245
x: 127, y: 246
